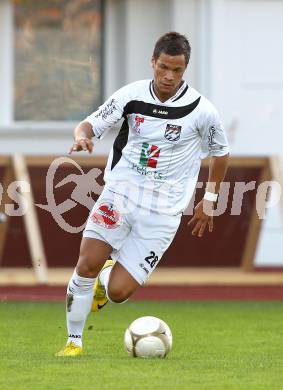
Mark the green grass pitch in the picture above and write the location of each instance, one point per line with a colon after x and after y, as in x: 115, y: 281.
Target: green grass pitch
x: 216, y: 345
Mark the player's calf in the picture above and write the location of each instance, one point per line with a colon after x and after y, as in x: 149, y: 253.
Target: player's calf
x: 121, y: 284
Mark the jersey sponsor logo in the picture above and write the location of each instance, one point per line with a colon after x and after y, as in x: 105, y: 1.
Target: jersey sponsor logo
x: 107, y: 216
x: 148, y: 172
x: 172, y: 132
x: 138, y: 121
x: 149, y: 155
x: 160, y: 112
x: 148, y: 160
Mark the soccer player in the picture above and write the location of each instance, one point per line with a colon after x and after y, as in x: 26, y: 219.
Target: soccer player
x: 150, y: 177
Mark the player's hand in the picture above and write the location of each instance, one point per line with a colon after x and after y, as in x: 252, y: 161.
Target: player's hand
x: 202, y: 217
x: 80, y: 144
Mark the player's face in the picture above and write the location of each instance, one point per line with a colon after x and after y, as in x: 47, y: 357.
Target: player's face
x: 167, y: 73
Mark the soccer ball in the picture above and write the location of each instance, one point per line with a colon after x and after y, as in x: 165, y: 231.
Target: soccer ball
x: 148, y: 337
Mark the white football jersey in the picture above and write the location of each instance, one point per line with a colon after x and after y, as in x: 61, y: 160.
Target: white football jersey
x: 156, y: 157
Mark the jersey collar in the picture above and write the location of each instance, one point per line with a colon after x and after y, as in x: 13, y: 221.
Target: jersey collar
x: 181, y: 92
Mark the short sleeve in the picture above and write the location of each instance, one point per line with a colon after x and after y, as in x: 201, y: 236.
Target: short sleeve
x: 214, y: 139
x: 109, y: 113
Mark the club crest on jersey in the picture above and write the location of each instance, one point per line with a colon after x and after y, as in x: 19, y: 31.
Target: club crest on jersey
x: 138, y: 121
x: 173, y: 132
x: 107, y: 216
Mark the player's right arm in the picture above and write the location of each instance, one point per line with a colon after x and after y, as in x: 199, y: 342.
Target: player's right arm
x: 83, y: 134
x: 97, y: 123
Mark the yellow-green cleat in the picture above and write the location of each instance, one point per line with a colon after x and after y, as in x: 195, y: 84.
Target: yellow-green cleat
x: 99, y: 295
x: 71, y: 349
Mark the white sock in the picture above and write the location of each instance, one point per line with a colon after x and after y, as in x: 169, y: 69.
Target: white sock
x: 104, y: 276
x: 78, y: 305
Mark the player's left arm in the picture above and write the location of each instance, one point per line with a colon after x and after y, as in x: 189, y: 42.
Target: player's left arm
x: 203, y: 212
x: 215, y: 145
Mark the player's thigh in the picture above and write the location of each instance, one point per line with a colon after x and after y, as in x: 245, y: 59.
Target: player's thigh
x: 146, y: 244
x: 106, y: 228
x: 109, y: 220
x: 93, y: 254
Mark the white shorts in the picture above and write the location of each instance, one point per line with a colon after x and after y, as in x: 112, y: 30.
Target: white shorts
x: 138, y: 237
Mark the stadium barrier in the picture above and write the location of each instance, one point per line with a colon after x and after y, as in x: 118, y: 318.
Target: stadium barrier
x: 36, y: 236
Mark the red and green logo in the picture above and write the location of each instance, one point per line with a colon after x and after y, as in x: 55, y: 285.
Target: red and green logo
x: 149, y: 155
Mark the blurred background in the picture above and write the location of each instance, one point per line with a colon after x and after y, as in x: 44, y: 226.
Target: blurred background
x: 60, y: 59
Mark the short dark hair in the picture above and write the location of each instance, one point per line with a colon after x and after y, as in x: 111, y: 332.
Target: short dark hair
x: 173, y: 44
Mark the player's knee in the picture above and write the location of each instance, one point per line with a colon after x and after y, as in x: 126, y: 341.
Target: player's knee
x: 117, y: 295
x: 86, y: 267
